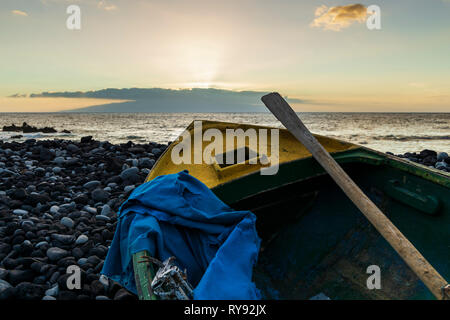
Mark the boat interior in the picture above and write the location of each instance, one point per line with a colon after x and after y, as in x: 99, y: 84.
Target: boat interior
x: 315, y: 240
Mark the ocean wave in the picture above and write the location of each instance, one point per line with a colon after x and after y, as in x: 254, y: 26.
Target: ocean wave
x: 398, y: 133
x: 411, y: 138
x: 18, y: 136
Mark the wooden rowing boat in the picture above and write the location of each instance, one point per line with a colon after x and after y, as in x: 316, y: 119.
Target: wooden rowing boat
x: 314, y: 240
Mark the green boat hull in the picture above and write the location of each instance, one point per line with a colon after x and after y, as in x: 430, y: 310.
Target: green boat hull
x: 315, y: 240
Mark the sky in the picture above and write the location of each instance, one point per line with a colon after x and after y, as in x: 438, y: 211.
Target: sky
x: 319, y: 52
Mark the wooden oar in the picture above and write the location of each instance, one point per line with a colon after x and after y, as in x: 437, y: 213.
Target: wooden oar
x: 421, y: 267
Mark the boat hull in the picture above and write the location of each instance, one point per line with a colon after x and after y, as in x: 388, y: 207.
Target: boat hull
x: 314, y: 239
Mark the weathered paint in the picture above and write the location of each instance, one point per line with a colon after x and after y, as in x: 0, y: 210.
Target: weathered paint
x: 329, y: 244
x: 290, y: 150
x: 143, y: 275
x: 314, y: 239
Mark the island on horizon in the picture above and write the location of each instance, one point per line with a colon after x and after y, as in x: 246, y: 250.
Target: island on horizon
x: 132, y: 100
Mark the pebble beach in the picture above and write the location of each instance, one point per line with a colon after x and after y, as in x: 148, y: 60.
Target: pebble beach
x: 58, y: 207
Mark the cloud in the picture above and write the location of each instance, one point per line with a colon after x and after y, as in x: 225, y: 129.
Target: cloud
x: 106, y: 6
x: 417, y: 84
x: 171, y: 100
x: 101, y: 4
x: 19, y: 13
x: 18, y: 95
x: 337, y: 18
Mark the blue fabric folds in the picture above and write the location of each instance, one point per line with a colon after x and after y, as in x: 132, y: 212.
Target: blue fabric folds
x: 177, y: 215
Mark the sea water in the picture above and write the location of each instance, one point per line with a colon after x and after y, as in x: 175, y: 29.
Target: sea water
x: 394, y: 132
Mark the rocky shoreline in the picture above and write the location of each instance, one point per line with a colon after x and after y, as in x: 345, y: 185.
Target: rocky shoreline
x: 429, y: 158
x: 26, y: 128
x: 58, y: 204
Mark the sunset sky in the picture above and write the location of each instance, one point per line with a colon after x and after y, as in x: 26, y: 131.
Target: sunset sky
x: 318, y: 51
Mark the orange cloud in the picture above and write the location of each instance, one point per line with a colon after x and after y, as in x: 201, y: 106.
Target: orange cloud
x: 337, y: 18
x: 106, y: 6
x: 19, y: 13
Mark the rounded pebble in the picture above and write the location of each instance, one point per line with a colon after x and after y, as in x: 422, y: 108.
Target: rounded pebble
x: 67, y: 222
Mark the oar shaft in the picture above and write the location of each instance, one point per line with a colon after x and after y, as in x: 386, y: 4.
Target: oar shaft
x: 421, y: 267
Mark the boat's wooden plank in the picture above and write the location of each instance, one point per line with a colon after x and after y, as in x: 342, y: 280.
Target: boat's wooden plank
x: 143, y: 274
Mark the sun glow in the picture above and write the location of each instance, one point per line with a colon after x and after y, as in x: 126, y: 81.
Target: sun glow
x: 203, y: 85
x: 201, y: 61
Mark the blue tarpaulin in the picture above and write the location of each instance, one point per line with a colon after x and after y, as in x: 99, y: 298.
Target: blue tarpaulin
x: 177, y: 215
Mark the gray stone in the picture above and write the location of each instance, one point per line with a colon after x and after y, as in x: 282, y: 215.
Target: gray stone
x: 442, y: 156
x: 130, y: 174
x: 133, y: 162
x: 39, y: 172
x: 53, y: 291
x: 82, y: 239
x: 94, y: 260
x: 56, y: 170
x: 320, y: 296
x: 104, y: 280
x: 47, y: 216
x: 90, y: 209
x: 102, y: 218
x: 20, y: 212
x: 63, y: 238
x: 8, y: 172
x: 98, y: 150
x: 100, y: 195
x: 56, y: 253
x: 146, y: 163
x: 91, y: 185
x: 69, y: 206
x: 48, y: 298
x: 86, y: 139
x: 66, y: 221
x: 128, y: 188
x: 27, y: 222
x: 156, y: 151
x: 54, y: 277
x: 72, y: 148
x: 106, y: 211
x: 440, y: 165
x: 112, y: 185
x: 40, y: 244
x: 54, y: 209
x: 3, y: 273
x: 27, y: 243
x: 4, y: 285
x: 59, y: 161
